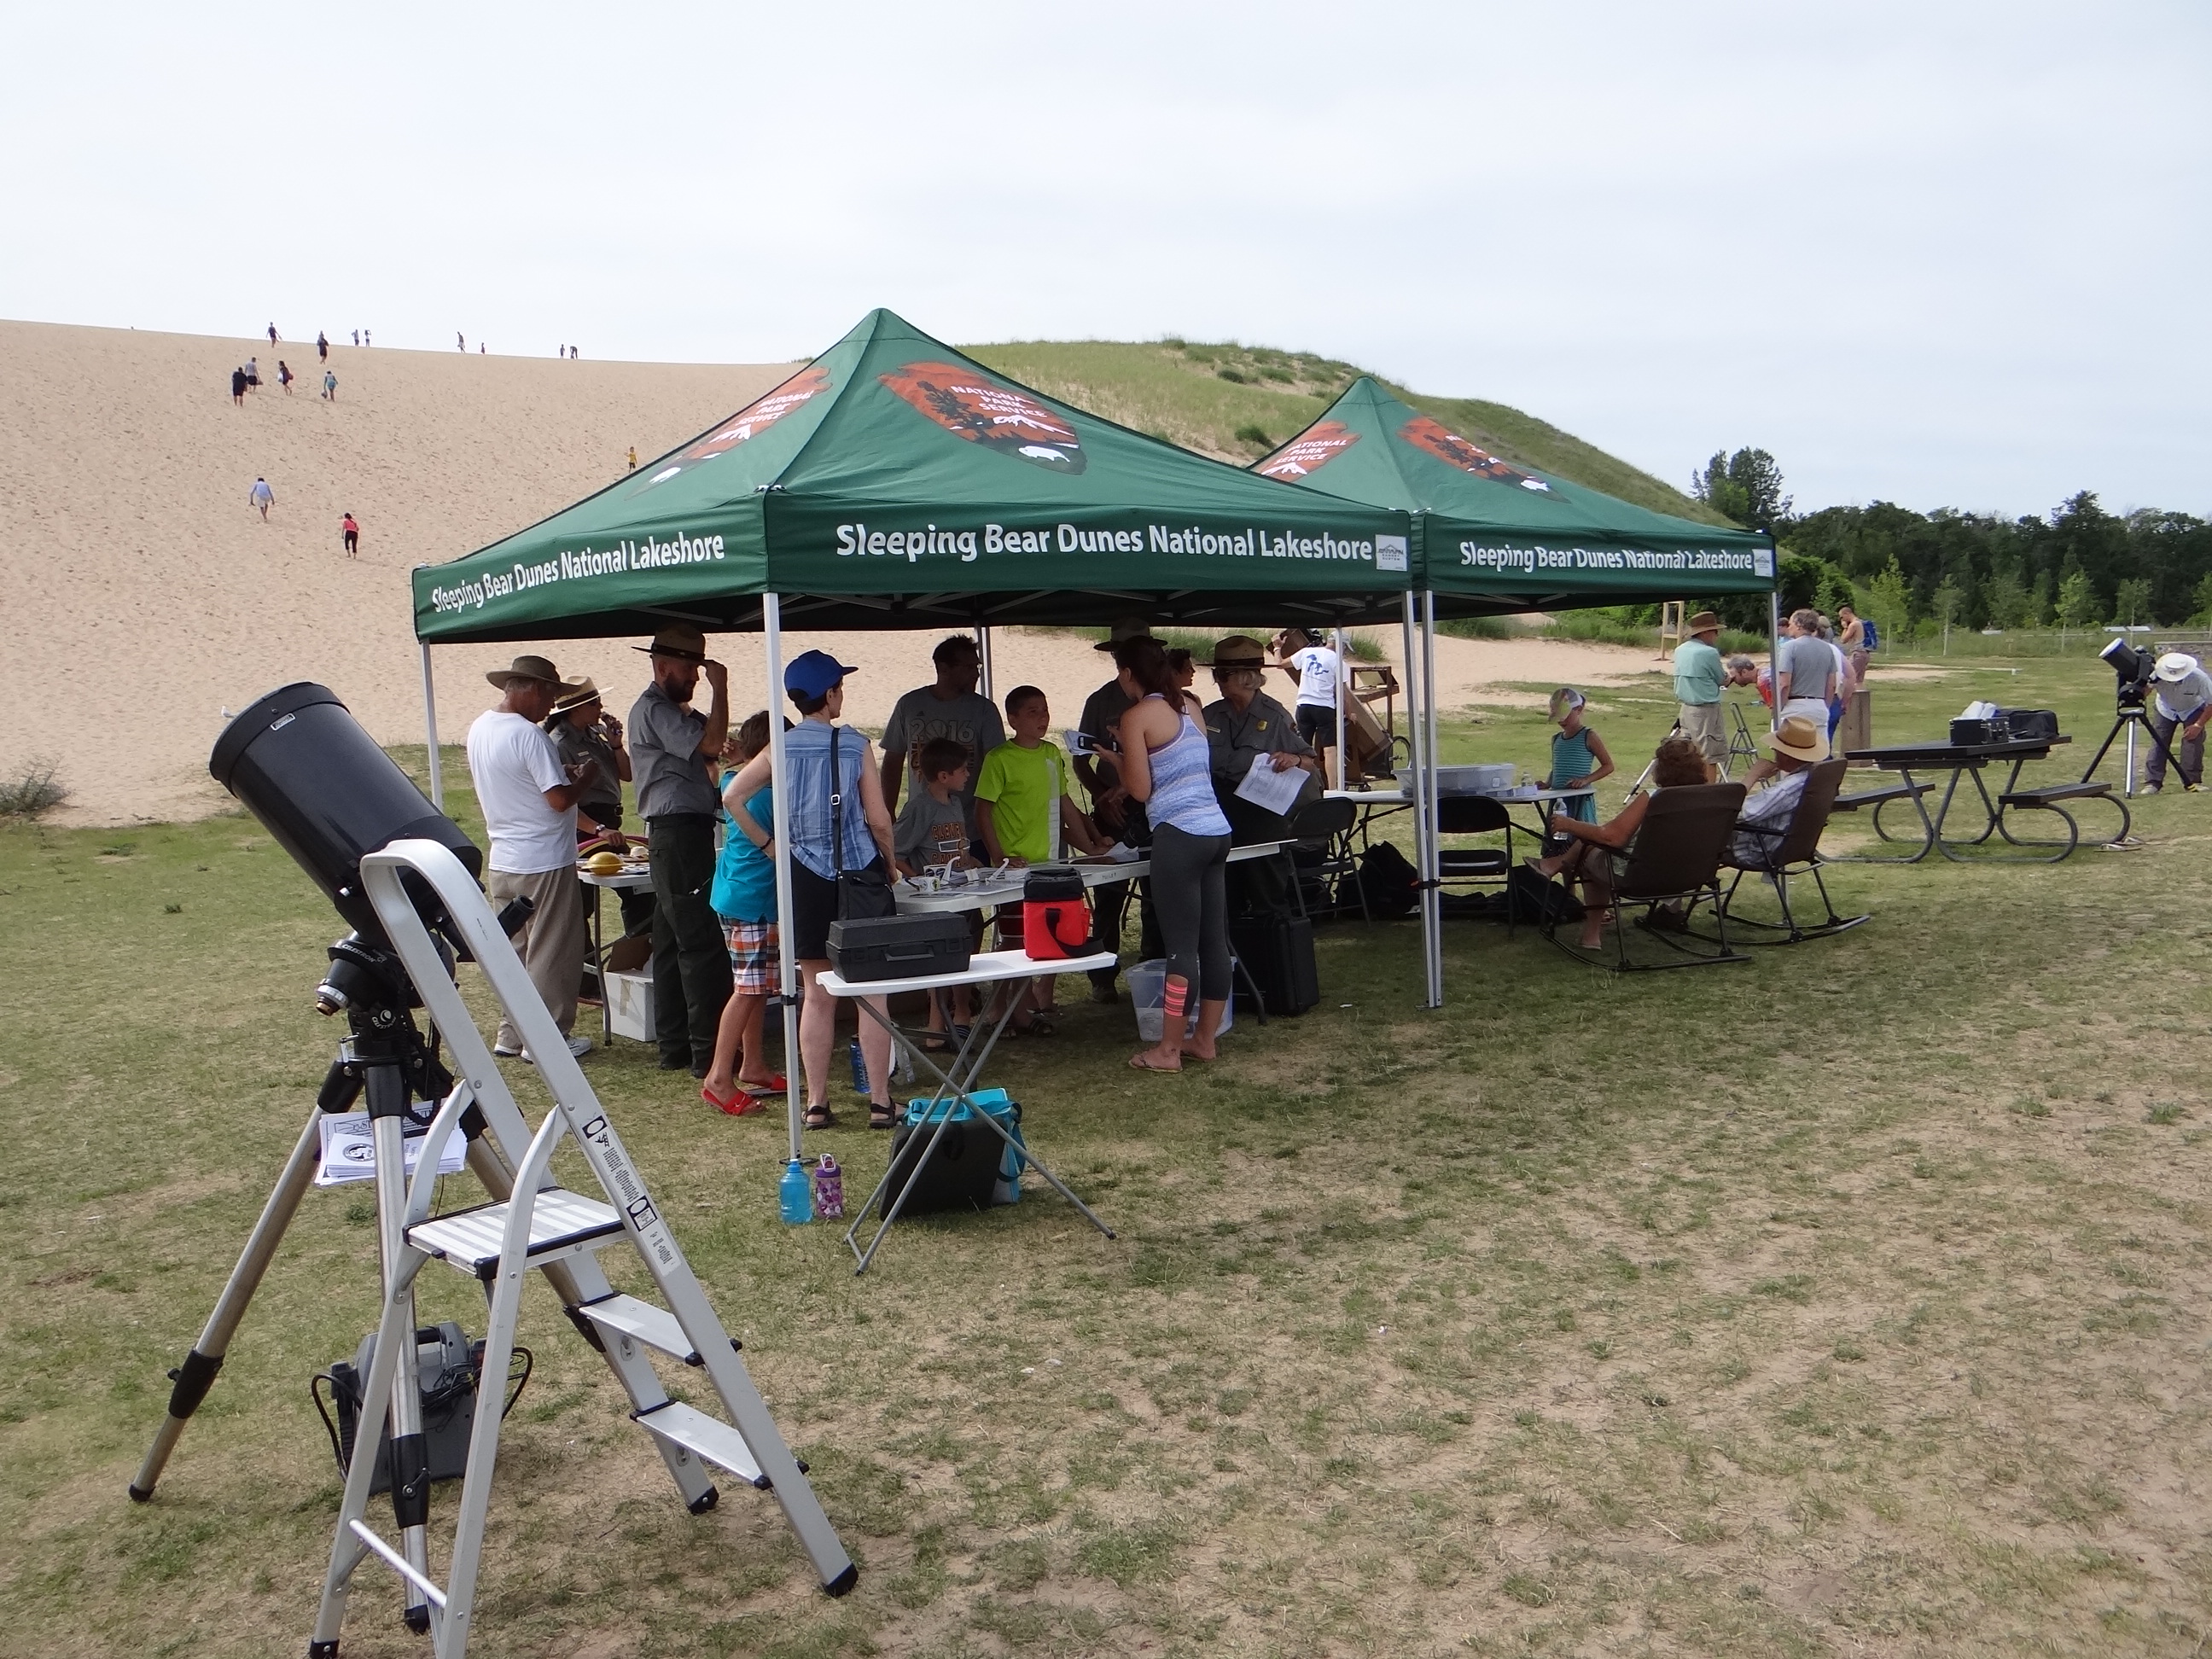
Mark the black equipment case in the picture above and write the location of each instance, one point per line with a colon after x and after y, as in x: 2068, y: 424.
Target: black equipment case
x: 2030, y: 724
x: 1278, y: 951
x: 899, y: 947
x: 1975, y: 733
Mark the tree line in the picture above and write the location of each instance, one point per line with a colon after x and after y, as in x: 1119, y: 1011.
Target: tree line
x: 2078, y: 567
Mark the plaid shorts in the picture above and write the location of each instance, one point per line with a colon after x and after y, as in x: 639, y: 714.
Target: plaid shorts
x: 753, y: 957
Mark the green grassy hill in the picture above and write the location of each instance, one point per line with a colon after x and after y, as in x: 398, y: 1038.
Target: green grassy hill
x: 1238, y: 402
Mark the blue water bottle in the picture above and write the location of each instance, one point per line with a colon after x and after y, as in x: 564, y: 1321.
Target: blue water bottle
x: 860, y: 1068
x: 795, y: 1193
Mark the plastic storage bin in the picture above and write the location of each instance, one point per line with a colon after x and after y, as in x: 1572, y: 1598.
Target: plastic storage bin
x: 1148, y: 989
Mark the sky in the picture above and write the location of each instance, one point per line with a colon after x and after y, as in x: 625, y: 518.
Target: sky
x: 1943, y: 254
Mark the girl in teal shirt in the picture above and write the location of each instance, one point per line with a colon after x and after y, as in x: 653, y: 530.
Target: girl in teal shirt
x: 1579, y: 756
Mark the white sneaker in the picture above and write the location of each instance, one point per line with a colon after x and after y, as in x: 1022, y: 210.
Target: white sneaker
x: 578, y: 1046
x: 2147, y: 789
x: 506, y: 1054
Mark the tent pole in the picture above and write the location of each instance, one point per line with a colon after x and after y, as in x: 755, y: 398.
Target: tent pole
x: 1343, y: 674
x: 983, y: 660
x: 430, y: 731
x: 787, y: 965
x: 1432, y: 900
x: 1423, y: 816
x: 1774, y: 661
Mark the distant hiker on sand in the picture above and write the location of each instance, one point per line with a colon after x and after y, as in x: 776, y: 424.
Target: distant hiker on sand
x: 572, y: 354
x: 482, y: 349
x: 323, y: 346
x: 356, y: 336
x: 272, y: 334
x: 263, y: 497
x: 238, y: 387
x: 352, y: 535
x: 460, y: 344
x: 632, y: 458
x: 330, y: 386
x: 284, y: 376
x: 365, y: 338
x: 253, y: 372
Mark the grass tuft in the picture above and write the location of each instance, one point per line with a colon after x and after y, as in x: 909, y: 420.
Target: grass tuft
x: 35, y: 789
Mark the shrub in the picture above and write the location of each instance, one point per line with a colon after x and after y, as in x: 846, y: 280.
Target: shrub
x: 33, y: 790
x: 1227, y: 373
x: 1254, y: 434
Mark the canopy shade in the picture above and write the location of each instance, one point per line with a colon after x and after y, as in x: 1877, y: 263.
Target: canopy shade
x: 1492, y: 536
x: 894, y: 483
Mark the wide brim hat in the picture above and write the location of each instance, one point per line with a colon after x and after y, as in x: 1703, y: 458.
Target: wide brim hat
x: 1704, y: 623
x: 529, y: 668
x: 1238, y: 651
x: 2175, y: 665
x: 1799, y: 738
x: 1124, y: 627
x: 583, y: 691
x: 680, y: 641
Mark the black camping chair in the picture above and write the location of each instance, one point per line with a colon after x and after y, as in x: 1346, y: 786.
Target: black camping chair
x: 1675, y: 859
x: 1475, y: 815
x: 1321, y: 853
x: 1787, y: 849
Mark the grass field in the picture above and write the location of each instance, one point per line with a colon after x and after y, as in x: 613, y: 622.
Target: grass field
x: 1240, y: 402
x: 1851, y: 1303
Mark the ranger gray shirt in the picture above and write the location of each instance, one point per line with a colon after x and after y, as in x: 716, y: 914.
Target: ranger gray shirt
x: 665, y: 764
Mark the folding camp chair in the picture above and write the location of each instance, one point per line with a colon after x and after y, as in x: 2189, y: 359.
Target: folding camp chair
x: 1791, y: 849
x: 1676, y: 859
x: 1475, y: 815
x: 1321, y: 853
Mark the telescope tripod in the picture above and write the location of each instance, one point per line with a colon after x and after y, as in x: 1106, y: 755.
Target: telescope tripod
x: 2132, y: 716
x: 530, y: 1224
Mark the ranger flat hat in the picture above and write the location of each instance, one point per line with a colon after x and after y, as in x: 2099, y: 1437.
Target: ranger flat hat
x: 529, y: 668
x: 678, y: 640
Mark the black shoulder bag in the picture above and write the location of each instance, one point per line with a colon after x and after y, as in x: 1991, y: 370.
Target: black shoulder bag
x: 862, y: 894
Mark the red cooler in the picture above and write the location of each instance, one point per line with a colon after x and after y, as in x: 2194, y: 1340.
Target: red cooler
x: 1055, y: 913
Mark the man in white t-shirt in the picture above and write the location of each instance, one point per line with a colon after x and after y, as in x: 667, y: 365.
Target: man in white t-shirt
x: 1316, y: 670
x: 2178, y: 714
x: 529, y: 804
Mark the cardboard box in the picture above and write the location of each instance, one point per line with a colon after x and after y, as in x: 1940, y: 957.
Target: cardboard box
x: 629, y: 1006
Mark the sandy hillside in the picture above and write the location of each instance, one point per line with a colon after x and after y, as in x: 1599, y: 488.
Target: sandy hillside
x: 145, y: 596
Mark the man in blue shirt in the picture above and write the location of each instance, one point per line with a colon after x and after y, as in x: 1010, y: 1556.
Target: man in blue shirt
x: 1698, y: 680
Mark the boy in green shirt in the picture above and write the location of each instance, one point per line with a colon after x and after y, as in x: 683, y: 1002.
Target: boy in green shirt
x: 1025, y: 815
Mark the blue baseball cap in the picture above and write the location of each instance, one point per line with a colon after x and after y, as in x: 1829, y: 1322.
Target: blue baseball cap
x: 814, y: 672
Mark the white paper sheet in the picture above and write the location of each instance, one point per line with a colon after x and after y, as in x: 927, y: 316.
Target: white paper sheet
x: 1276, y: 791
x: 349, y: 1152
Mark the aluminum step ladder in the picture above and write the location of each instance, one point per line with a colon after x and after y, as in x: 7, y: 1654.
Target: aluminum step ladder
x: 531, y: 1224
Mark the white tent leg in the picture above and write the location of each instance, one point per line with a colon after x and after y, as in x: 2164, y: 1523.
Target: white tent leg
x: 787, y: 964
x: 983, y: 660
x: 1424, y: 838
x: 1343, y: 675
x: 1430, y: 899
x: 430, y: 731
x: 1774, y: 661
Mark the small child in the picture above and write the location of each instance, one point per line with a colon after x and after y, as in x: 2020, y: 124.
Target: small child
x: 739, y: 1078
x: 1025, y: 815
x: 932, y: 833
x: 1579, y: 757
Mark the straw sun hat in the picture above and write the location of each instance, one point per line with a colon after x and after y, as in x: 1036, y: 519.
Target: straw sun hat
x: 1799, y: 738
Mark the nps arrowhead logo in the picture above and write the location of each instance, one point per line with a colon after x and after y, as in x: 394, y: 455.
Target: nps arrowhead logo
x: 969, y: 406
x: 754, y: 418
x: 1455, y: 451
x: 1310, y: 451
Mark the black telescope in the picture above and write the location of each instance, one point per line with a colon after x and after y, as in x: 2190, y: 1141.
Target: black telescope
x: 300, y: 763
x: 2134, y: 668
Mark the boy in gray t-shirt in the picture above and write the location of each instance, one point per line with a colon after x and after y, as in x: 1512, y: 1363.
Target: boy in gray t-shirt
x: 933, y: 828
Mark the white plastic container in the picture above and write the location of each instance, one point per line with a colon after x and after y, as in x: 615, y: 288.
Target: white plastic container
x: 629, y: 1006
x: 1148, y: 991
x: 1484, y: 778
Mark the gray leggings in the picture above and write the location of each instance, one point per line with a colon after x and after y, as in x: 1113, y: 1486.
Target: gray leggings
x: 1188, y: 892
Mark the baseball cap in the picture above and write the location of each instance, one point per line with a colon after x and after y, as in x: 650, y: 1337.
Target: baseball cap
x: 814, y: 672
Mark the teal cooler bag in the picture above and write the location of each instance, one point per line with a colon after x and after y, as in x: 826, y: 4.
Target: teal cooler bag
x: 970, y: 1167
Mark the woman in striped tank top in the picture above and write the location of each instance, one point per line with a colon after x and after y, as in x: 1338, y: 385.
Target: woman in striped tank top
x: 1167, y: 764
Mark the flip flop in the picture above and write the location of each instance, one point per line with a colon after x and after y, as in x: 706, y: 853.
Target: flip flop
x: 775, y: 1085
x: 736, y: 1105
x: 1139, y: 1063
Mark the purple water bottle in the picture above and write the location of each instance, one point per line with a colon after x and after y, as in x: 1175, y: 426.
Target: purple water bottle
x: 829, y: 1189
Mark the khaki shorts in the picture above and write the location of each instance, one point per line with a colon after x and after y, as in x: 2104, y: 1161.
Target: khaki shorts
x: 1701, y: 723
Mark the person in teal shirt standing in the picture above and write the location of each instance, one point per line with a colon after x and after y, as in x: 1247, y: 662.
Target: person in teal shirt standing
x: 1698, y: 678
x: 1579, y: 756
x: 744, y: 896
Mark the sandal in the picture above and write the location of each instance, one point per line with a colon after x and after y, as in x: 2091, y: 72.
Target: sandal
x: 881, y: 1117
x: 820, y: 1117
x: 1037, y: 1025
x: 737, y: 1103
x: 775, y: 1085
x: 1139, y: 1063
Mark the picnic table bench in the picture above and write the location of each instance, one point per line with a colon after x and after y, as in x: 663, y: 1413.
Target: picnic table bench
x: 1968, y: 761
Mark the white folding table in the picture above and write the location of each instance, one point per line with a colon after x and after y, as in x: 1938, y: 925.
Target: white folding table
x: 985, y: 968
x: 998, y: 887
x: 629, y: 880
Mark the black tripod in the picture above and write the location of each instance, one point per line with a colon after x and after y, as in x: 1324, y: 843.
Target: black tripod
x: 2132, y: 715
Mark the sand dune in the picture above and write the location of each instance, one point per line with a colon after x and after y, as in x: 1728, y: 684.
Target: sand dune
x: 144, y: 596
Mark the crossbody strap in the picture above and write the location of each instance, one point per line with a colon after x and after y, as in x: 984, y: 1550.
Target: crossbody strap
x: 836, y: 807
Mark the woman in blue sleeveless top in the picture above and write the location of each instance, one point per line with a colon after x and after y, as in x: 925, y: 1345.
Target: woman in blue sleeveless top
x: 1579, y: 756
x: 815, y: 681
x: 1167, y: 764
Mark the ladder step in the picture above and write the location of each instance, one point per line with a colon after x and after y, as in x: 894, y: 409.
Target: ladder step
x: 705, y: 1436
x: 656, y: 1328
x: 562, y: 1224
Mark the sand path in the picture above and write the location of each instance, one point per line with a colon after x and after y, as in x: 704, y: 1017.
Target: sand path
x: 145, y: 596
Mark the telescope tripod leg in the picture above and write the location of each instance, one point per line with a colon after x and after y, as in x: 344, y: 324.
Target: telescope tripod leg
x: 197, y: 1375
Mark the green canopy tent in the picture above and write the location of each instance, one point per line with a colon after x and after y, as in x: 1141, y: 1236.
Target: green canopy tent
x: 894, y: 483
x: 1491, y: 537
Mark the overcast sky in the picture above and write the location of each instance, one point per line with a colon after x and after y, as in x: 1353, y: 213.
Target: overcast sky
x: 1938, y: 253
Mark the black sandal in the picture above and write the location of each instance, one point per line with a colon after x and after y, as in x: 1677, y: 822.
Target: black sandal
x: 881, y: 1117
x: 820, y: 1117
